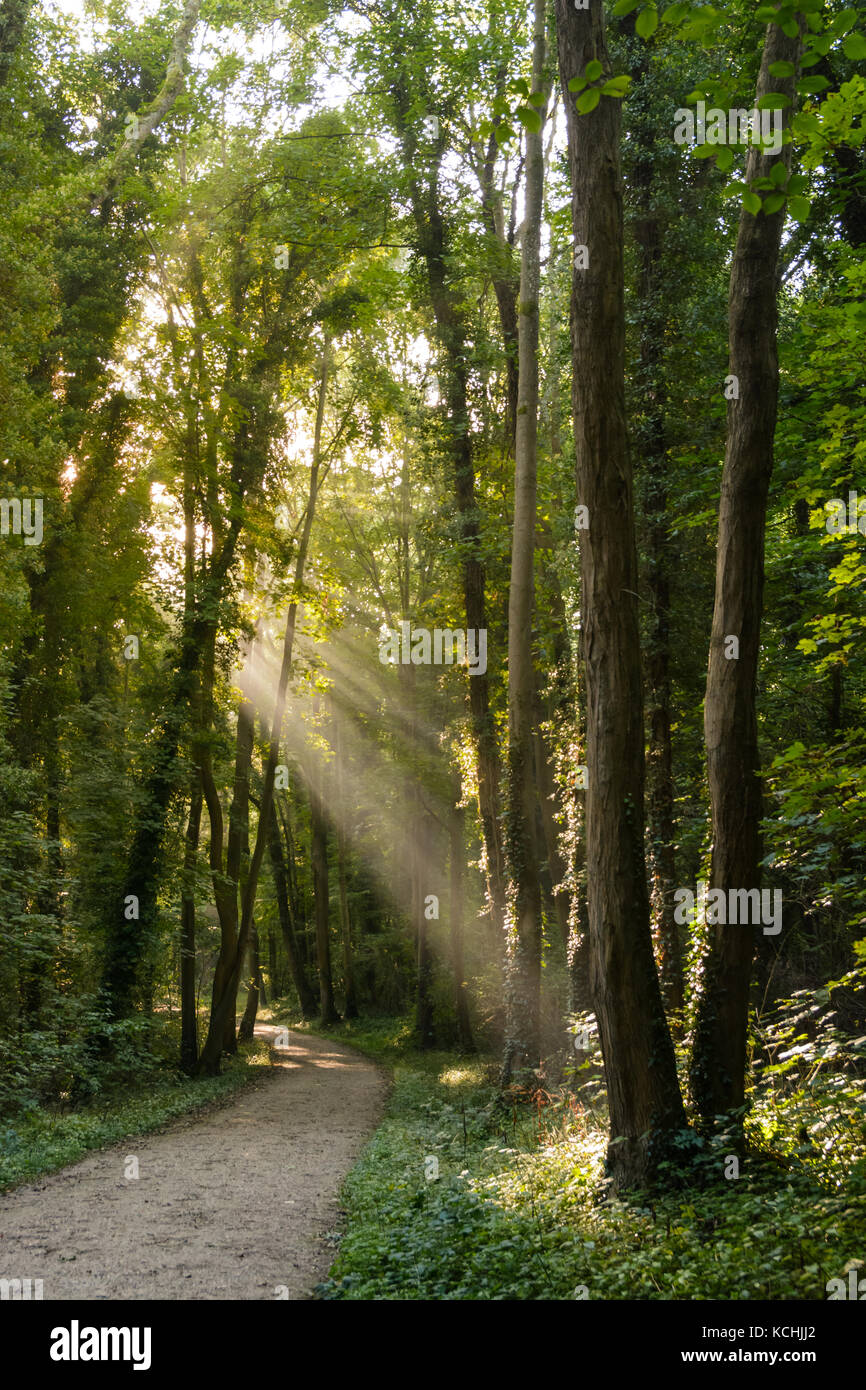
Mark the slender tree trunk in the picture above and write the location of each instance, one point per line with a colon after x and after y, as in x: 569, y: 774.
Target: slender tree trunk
x: 319, y: 856
x: 350, y: 1007
x: 651, y: 255
x: 718, y: 1063
x: 424, y: 1029
x: 524, y: 922
x: 465, y: 1040
x: 188, y: 1018
x: 246, y: 1030
x: 452, y: 334
x: 643, y: 1093
x: 303, y: 988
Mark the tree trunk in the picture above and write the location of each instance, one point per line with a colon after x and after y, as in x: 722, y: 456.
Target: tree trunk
x: 651, y: 254
x: 465, y: 1040
x: 188, y: 1018
x: 524, y: 924
x: 643, y: 1094
x: 319, y: 855
x: 718, y: 1063
x: 452, y: 334
x: 303, y: 988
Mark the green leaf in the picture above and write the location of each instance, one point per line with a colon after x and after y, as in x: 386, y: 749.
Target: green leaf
x: 809, y: 59
x: 674, y: 13
x: 773, y: 101
x: 854, y: 47
x: 782, y: 69
x: 799, y: 208
x: 593, y: 70
x: 625, y: 6
x: 807, y: 85
x: 616, y: 86
x: 797, y: 183
x: 779, y: 173
x: 773, y: 203
x: 724, y: 158
x: 529, y: 119
x: 577, y: 84
x: 589, y: 100
x: 503, y: 133
x: 843, y: 22
x: 752, y: 203
x: 647, y: 22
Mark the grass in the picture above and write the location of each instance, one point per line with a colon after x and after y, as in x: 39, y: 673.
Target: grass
x: 462, y: 1194
x: 40, y: 1141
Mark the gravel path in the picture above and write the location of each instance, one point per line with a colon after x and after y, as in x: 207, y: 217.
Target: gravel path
x: 232, y: 1204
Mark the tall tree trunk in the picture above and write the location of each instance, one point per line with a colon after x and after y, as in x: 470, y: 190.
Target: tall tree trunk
x: 350, y: 1005
x: 421, y: 858
x: 643, y: 1093
x: 188, y: 1018
x: 319, y: 856
x: 303, y: 988
x: 465, y: 1040
x: 651, y: 255
x: 524, y: 924
x: 718, y: 1063
x: 452, y: 335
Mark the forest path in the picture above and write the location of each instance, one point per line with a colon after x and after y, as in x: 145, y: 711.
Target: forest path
x: 230, y: 1204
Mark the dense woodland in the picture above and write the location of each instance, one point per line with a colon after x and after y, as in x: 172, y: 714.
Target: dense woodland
x: 432, y: 570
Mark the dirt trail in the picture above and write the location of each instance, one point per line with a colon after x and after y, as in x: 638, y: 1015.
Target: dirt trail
x: 232, y: 1204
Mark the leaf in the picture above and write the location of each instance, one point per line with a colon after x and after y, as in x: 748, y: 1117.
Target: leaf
x: 647, y: 22
x: 843, y: 22
x: 808, y: 85
x: 799, y: 208
x: 854, y: 47
x: 593, y: 70
x: 577, y: 84
x: 616, y: 86
x: 752, y: 203
x: 797, y: 183
x: 589, y: 100
x: 773, y: 101
x: 724, y: 158
x: 625, y: 6
x: 779, y: 173
x: 782, y: 69
x: 502, y: 133
x: 773, y: 203
x: 529, y: 119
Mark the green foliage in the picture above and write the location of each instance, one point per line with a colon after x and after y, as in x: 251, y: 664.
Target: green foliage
x: 38, y: 1141
x: 518, y: 1208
